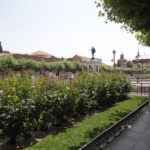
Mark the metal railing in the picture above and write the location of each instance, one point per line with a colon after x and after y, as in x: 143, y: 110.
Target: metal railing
x: 141, y: 87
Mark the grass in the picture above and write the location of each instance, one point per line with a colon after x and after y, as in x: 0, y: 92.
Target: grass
x: 82, y: 132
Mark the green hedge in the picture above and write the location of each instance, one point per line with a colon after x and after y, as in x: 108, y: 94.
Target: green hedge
x: 10, y: 63
x: 42, y: 104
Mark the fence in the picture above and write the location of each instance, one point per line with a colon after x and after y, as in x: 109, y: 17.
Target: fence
x: 140, y: 87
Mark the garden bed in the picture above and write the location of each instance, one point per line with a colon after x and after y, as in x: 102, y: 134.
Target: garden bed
x: 82, y: 132
x: 29, y: 106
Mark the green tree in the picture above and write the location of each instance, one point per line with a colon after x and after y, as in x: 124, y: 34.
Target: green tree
x: 132, y: 14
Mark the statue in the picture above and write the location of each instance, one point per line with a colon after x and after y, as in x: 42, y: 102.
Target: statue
x: 93, y: 51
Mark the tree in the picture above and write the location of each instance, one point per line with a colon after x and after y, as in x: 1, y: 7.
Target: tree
x: 132, y: 14
x: 93, y: 51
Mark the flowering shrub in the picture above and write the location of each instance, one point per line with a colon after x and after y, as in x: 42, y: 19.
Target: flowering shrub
x: 27, y: 105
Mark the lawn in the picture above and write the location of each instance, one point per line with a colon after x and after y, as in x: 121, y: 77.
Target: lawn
x: 82, y: 132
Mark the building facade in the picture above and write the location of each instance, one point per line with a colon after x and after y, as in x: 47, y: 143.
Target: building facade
x: 122, y: 62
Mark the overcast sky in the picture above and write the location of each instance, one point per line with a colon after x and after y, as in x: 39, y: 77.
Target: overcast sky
x: 62, y: 28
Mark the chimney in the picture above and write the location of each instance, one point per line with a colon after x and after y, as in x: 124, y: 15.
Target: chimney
x: 1, y: 48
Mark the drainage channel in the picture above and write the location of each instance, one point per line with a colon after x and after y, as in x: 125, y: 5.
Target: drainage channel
x: 106, y: 137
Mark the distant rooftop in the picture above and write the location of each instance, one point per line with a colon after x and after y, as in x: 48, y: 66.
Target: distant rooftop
x: 42, y: 54
x: 85, y: 59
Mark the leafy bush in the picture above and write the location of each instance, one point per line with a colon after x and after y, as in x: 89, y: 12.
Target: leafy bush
x: 16, y: 107
x: 100, y: 90
x: 54, y: 102
x: 41, y: 104
x: 11, y: 63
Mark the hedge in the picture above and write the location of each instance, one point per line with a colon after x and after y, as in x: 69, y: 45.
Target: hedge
x: 10, y: 63
x: 27, y: 106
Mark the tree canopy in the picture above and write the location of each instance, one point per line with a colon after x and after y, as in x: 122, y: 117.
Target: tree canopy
x: 134, y: 15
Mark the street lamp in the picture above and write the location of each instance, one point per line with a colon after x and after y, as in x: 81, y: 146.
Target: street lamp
x: 114, y: 58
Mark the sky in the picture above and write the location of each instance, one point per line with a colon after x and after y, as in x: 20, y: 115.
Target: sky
x: 63, y: 28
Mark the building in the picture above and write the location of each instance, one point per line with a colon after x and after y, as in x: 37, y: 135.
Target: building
x: 42, y: 54
x: 1, y: 49
x: 122, y: 62
x: 142, y: 61
x: 90, y: 64
x: 38, y: 56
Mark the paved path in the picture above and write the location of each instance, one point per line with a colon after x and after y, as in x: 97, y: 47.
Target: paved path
x: 136, y: 137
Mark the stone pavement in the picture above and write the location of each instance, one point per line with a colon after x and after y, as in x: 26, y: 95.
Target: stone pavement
x: 136, y: 137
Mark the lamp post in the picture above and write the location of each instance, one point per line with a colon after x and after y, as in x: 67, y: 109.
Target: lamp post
x: 92, y: 61
x: 114, y: 58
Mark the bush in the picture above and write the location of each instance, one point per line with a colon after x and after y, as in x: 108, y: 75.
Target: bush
x: 100, y: 90
x: 16, y: 107
x: 54, y: 103
x: 10, y: 63
x: 41, y: 104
